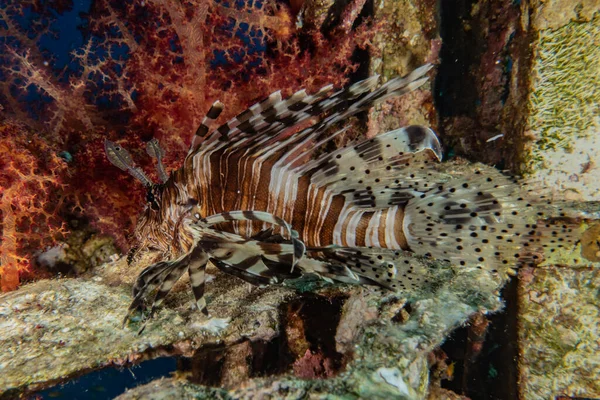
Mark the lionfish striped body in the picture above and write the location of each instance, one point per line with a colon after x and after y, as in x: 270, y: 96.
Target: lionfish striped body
x: 253, y: 199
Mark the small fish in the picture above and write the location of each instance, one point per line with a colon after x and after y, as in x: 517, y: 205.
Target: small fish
x: 258, y: 199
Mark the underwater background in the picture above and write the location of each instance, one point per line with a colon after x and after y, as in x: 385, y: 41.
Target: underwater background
x: 516, y: 87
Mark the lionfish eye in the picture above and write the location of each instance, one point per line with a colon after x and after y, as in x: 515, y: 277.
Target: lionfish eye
x: 151, y: 198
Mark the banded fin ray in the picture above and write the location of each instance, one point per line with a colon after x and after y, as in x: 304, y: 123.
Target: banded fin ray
x: 261, y: 259
x: 162, y: 275
x: 207, y: 122
x: 300, y: 146
x: 257, y: 216
x: 273, y: 116
x: 247, y: 216
x: 265, y: 118
x: 197, y: 274
x: 291, y: 150
x: 257, y: 262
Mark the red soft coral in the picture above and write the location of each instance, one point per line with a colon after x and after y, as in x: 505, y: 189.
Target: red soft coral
x: 148, y: 68
x: 30, y: 196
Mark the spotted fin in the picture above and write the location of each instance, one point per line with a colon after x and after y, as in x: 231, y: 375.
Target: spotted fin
x: 480, y: 220
x: 381, y: 172
x: 392, y: 269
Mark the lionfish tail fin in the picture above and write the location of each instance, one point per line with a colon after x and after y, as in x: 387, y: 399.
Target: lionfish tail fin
x: 553, y: 239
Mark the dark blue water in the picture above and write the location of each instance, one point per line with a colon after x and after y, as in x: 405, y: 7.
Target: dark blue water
x: 110, y: 382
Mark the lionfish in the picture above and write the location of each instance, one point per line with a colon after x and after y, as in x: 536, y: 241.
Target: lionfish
x: 258, y: 199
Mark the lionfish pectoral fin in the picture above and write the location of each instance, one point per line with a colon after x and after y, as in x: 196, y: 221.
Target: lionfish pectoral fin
x: 196, y: 271
x: 259, y: 216
x: 266, y: 235
x: 388, y: 268
x: 257, y: 262
x: 145, y: 283
x: 252, y: 278
x: 247, y: 216
x: 328, y: 270
x: 163, y: 275
x: 164, y: 288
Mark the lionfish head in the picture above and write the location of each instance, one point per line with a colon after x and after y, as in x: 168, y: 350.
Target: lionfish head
x: 160, y: 227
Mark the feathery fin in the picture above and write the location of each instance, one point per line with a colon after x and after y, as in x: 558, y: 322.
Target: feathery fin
x: 196, y: 271
x: 121, y: 159
x: 374, y: 173
x: 155, y: 151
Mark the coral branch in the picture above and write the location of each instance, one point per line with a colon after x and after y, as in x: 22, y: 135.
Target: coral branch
x: 29, y: 200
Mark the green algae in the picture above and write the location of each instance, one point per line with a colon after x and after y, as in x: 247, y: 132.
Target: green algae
x: 565, y: 88
x: 559, y: 322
